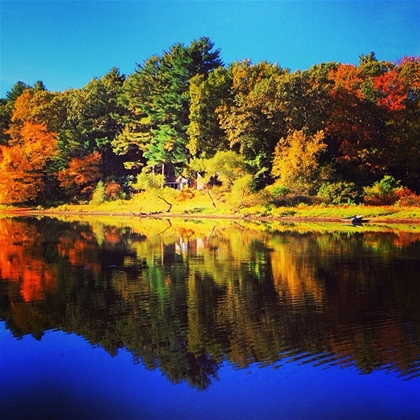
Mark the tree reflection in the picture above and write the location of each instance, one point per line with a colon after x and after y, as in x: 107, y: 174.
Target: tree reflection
x: 187, y: 297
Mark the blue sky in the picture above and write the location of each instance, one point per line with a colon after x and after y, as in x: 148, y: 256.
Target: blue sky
x: 67, y: 43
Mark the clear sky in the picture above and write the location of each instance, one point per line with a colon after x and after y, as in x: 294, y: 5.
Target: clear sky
x: 67, y: 43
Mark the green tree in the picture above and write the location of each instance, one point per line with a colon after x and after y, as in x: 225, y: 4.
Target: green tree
x: 253, y: 116
x: 17, y: 89
x: 92, y: 123
x: 39, y: 86
x: 6, y: 109
x: 158, y: 100
x: 225, y: 166
x: 99, y: 195
x: 242, y: 191
x: 305, y: 96
x: 205, y: 135
x: 90, y: 111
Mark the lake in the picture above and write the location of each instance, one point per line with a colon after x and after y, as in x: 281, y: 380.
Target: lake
x: 130, y: 318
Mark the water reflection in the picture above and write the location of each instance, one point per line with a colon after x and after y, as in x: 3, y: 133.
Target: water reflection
x: 186, y: 297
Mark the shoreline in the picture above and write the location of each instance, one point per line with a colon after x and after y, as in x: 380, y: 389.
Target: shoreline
x: 20, y: 212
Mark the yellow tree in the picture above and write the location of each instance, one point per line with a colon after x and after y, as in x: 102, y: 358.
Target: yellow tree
x: 296, y: 162
x: 21, y: 113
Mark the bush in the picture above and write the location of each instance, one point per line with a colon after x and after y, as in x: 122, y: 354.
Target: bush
x: 146, y: 180
x: 227, y: 167
x: 185, y: 194
x: 113, y: 191
x: 383, y: 192
x: 99, y: 195
x: 406, y: 197
x: 340, y: 192
x: 278, y: 190
x: 282, y: 196
x: 241, y: 190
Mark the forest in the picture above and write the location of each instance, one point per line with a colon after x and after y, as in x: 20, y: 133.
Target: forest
x: 335, y: 133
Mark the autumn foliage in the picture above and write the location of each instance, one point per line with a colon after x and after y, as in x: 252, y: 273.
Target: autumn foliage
x: 81, y: 175
x: 333, y: 124
x: 25, y: 164
x: 19, y: 265
x: 296, y: 159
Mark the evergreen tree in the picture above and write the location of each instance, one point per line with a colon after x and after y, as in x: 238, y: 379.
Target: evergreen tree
x: 6, y: 109
x: 17, y: 89
x: 157, y: 97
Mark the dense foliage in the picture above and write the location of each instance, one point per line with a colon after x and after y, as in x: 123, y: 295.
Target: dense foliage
x: 332, y: 131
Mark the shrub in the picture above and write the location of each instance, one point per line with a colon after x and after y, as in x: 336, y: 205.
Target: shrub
x: 185, y: 195
x: 146, y: 180
x: 406, y: 197
x: 382, y: 192
x: 113, y: 191
x: 99, y: 195
x: 340, y: 192
x: 278, y: 190
x: 280, y: 196
x: 241, y: 194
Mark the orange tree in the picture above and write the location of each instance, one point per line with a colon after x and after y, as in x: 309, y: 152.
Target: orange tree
x: 25, y: 165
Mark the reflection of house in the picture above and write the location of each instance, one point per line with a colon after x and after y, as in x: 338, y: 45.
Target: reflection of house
x: 187, y: 247
x: 178, y: 183
x: 181, y: 247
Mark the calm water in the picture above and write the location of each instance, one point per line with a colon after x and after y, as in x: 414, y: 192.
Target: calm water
x: 143, y: 319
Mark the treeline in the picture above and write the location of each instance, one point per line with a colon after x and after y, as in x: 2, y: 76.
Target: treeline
x: 339, y: 132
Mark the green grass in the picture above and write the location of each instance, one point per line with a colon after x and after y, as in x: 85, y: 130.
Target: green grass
x: 199, y: 203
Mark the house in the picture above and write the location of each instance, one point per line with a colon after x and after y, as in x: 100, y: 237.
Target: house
x: 178, y: 183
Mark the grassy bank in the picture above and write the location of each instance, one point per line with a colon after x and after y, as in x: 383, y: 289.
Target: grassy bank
x: 217, y: 204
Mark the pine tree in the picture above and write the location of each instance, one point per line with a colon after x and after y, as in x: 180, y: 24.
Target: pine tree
x: 157, y: 96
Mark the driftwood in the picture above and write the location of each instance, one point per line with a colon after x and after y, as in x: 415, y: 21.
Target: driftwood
x: 151, y: 213
x: 167, y: 202
x: 211, y: 198
x: 148, y: 213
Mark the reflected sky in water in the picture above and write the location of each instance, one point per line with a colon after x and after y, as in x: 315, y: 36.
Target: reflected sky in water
x: 63, y: 377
